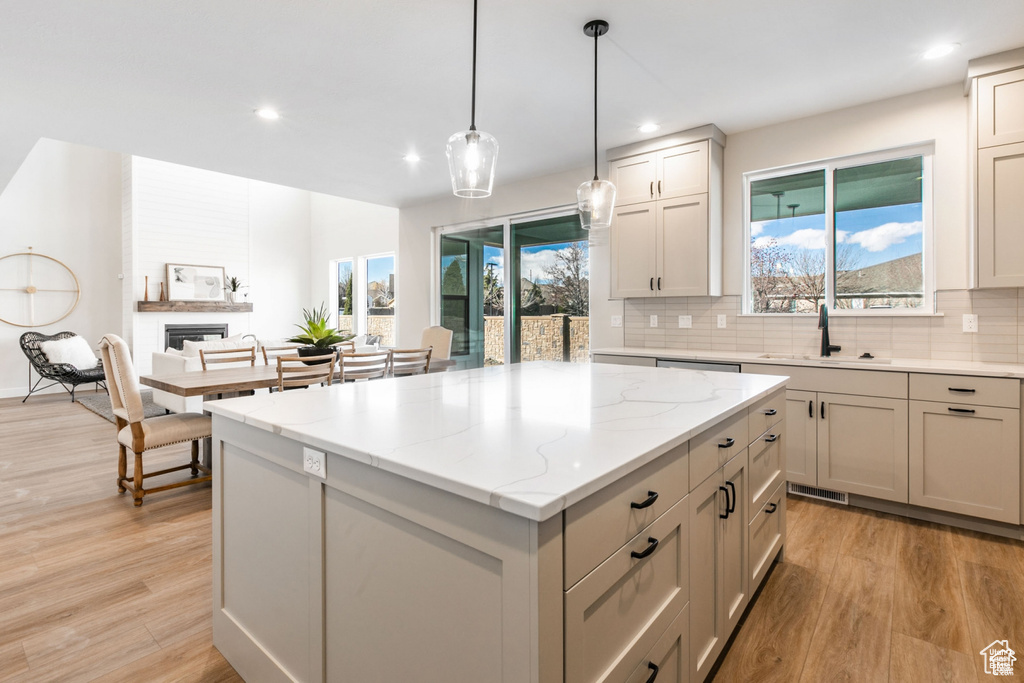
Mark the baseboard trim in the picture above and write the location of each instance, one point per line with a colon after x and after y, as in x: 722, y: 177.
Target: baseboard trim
x: 939, y: 517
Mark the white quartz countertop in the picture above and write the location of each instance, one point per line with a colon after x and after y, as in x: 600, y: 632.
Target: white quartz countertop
x: 942, y: 367
x: 529, y: 438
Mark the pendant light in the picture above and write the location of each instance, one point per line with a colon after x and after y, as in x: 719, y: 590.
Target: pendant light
x: 596, y: 198
x: 472, y: 153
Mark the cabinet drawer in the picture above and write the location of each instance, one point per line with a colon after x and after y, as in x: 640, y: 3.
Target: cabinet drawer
x: 765, y: 414
x: 616, y: 614
x: 714, y: 448
x: 982, y: 391
x: 883, y: 383
x: 613, y: 359
x: 767, y: 534
x: 601, y: 523
x: 671, y: 655
x: 767, y: 467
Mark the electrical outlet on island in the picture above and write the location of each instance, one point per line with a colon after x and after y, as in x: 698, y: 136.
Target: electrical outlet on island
x: 314, y: 462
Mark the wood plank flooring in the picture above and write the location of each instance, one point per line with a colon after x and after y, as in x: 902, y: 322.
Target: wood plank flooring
x: 864, y: 596
x: 92, y: 588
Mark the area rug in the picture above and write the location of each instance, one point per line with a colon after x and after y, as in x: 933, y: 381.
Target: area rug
x: 100, y: 404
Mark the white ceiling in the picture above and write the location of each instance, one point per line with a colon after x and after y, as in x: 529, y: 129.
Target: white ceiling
x: 360, y: 83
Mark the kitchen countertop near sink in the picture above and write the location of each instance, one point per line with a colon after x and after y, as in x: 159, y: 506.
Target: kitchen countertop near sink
x: 944, y: 367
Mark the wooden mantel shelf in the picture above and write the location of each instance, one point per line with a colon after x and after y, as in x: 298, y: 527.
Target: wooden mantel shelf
x: 192, y: 307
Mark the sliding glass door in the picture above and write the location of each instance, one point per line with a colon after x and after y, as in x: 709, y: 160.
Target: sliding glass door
x: 472, y: 294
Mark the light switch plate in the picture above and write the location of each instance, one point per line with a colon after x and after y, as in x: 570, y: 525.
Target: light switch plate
x: 654, y: 321
x: 970, y: 322
x: 722, y: 321
x: 314, y: 462
x: 616, y: 321
x: 685, y: 321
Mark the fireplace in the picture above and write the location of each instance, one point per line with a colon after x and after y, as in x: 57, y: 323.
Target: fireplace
x: 175, y: 335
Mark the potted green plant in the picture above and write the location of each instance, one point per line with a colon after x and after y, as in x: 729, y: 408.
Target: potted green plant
x: 233, y: 286
x: 317, y: 336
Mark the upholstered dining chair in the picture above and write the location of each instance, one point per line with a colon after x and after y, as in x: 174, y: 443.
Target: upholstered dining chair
x: 246, y: 354
x: 138, y: 433
x: 439, y: 339
x: 410, y: 362
x: 355, y: 366
x: 302, y: 371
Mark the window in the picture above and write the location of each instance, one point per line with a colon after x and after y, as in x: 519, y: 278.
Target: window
x: 380, y: 298
x: 346, y: 297
x: 851, y: 234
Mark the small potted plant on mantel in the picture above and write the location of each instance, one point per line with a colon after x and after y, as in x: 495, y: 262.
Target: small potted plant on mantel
x: 233, y: 286
x: 316, y: 335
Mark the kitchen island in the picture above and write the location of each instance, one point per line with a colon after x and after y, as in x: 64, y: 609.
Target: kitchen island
x: 530, y: 522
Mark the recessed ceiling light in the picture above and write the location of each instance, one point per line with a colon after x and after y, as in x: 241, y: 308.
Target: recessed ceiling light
x: 649, y: 128
x: 412, y: 157
x: 941, y: 50
x: 268, y: 114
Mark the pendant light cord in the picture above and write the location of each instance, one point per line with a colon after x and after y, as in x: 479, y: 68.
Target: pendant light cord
x: 597, y: 34
x: 472, y: 116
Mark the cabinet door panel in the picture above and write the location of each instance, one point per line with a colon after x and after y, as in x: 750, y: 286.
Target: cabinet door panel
x: 671, y: 655
x: 802, y: 437
x: 635, y: 179
x: 734, y: 544
x: 633, y: 245
x: 707, y: 631
x: 767, y: 534
x: 1001, y: 216
x: 966, y: 462
x: 683, y: 246
x: 683, y: 171
x: 1001, y: 108
x: 767, y: 467
x: 862, y: 445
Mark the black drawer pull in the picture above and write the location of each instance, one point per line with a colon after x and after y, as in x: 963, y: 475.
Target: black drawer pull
x: 969, y: 411
x: 728, y: 443
x: 772, y: 507
x: 770, y: 412
x: 810, y: 409
x: 771, y: 438
x: 726, y: 515
x: 963, y: 391
x: 646, y: 551
x: 822, y: 410
x: 651, y: 497
x: 732, y: 507
x: 654, y: 671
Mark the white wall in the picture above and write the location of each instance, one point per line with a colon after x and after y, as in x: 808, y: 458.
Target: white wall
x: 348, y: 229
x: 65, y: 202
x: 939, y: 114
x: 552, y: 191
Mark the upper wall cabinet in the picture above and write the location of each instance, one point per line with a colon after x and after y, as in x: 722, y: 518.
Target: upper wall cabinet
x: 666, y: 235
x: 996, y: 85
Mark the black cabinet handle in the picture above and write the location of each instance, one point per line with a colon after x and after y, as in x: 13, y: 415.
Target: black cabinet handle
x: 652, y: 544
x: 659, y: 188
x: 770, y: 412
x: 822, y: 410
x: 726, y: 515
x: 771, y: 438
x: 969, y: 411
x: 732, y: 508
x: 651, y: 497
x: 728, y: 443
x: 772, y: 507
x: 652, y: 188
x: 659, y: 284
x: 963, y: 391
x: 654, y: 671
x: 652, y: 284
x: 810, y: 409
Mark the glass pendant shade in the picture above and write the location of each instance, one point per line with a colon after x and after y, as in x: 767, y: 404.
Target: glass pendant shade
x: 596, y: 199
x: 471, y: 158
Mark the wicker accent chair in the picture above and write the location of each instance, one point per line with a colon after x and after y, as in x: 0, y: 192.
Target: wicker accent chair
x: 61, y: 373
x: 138, y: 433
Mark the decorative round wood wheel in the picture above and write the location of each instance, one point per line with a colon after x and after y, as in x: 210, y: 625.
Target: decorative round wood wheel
x: 36, y: 290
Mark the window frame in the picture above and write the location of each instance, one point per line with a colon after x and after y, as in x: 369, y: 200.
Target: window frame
x: 335, y: 302
x: 364, y: 290
x: 926, y: 151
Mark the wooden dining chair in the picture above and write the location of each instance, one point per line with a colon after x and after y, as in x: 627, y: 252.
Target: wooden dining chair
x: 345, y: 347
x: 139, y: 433
x: 213, y: 356
x: 302, y: 371
x: 270, y: 353
x: 410, y: 362
x: 357, y: 366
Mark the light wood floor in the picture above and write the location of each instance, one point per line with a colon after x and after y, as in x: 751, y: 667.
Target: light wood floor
x: 92, y: 588
x: 864, y: 596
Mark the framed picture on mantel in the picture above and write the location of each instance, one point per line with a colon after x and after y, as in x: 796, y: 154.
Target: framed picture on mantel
x: 195, y: 283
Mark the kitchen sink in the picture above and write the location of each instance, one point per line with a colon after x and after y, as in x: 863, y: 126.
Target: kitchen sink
x: 831, y: 360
